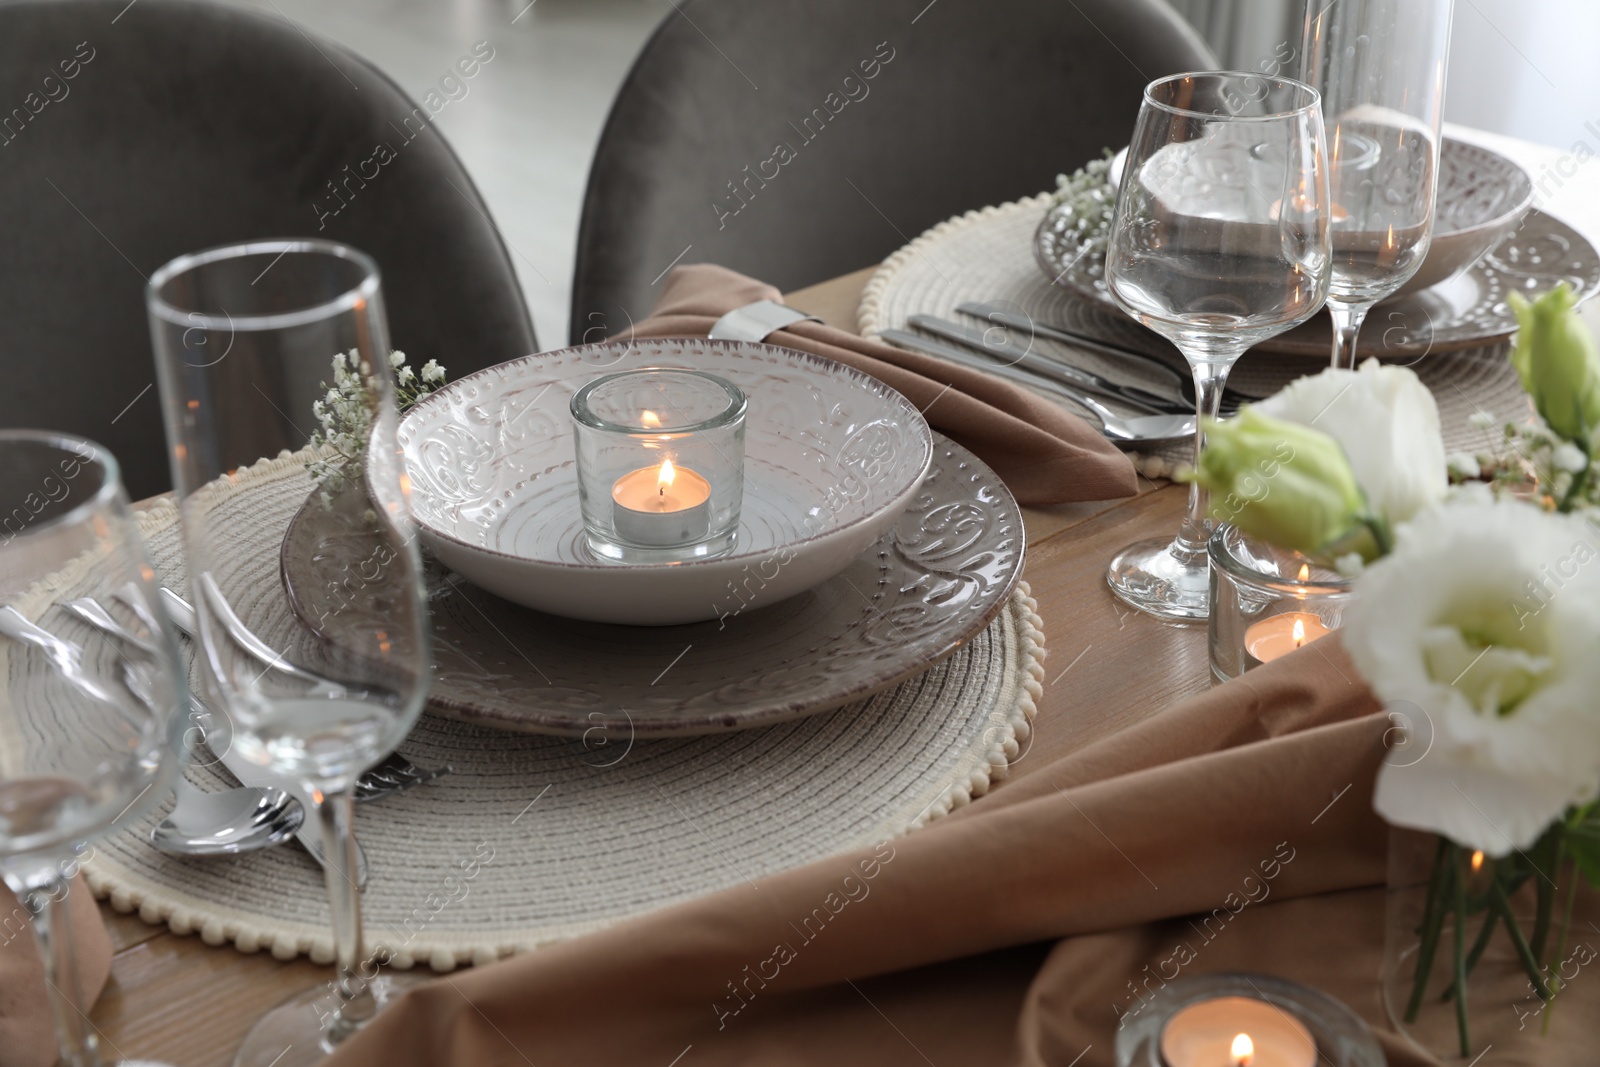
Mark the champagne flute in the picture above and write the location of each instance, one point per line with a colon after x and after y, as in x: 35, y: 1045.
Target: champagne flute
x: 1219, y: 241
x: 280, y: 347
x: 95, y: 730
x: 1380, y: 67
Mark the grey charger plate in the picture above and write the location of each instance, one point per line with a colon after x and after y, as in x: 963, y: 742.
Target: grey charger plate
x: 919, y: 593
x: 1465, y: 312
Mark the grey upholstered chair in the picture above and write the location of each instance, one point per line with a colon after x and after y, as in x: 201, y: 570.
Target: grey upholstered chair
x: 130, y: 134
x: 796, y: 140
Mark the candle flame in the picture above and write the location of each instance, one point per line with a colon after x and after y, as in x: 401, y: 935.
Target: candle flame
x: 1477, y: 861
x: 650, y: 419
x: 1299, y: 632
x: 668, y: 475
x: 1243, y: 1050
x: 1305, y: 571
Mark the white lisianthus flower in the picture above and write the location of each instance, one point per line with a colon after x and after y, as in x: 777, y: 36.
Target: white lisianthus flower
x: 1472, y: 493
x: 1350, y: 564
x: 1484, y: 626
x: 1568, y: 457
x: 1386, y: 421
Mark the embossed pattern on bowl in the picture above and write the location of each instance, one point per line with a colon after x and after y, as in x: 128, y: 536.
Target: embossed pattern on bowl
x: 832, y: 456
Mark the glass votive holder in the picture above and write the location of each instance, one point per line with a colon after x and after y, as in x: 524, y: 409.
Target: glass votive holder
x: 660, y: 455
x: 1267, y: 601
x: 1221, y: 1020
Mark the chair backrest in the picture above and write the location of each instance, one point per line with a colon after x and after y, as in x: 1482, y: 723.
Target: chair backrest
x: 802, y: 139
x: 132, y: 133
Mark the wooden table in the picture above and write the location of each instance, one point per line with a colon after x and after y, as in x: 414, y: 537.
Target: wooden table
x: 177, y: 999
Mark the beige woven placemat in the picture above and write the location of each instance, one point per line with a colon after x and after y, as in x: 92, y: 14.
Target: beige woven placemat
x: 987, y: 255
x: 535, y: 839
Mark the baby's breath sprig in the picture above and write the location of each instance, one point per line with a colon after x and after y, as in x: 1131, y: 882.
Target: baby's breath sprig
x: 1525, y: 460
x: 1088, y: 192
x: 345, y: 412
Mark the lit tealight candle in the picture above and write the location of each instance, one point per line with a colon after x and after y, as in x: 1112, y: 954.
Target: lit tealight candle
x: 1236, y: 1032
x: 661, y: 506
x: 1281, y: 634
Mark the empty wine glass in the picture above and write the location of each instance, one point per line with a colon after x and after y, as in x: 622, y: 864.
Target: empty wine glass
x: 1380, y: 67
x: 1219, y: 241
x: 94, y: 729
x: 278, y: 392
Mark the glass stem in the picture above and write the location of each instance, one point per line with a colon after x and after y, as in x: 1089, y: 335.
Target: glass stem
x: 52, y: 928
x: 1347, y: 320
x: 1210, y: 377
x: 353, y: 982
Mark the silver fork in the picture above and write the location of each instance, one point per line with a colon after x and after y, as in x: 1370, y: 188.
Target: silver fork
x: 254, y: 818
x: 395, y: 774
x: 309, y: 836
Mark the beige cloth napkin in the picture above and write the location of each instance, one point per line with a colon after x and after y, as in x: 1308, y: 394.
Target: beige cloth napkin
x: 1016, y: 931
x: 27, y: 1031
x: 1044, y: 454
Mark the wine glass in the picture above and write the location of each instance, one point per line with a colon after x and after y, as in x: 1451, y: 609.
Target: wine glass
x: 94, y: 729
x: 1380, y: 66
x: 1219, y: 241
x: 279, y: 398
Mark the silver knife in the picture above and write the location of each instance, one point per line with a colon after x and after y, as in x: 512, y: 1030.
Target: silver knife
x: 1005, y: 350
x: 249, y: 774
x: 961, y: 357
x: 1013, y: 321
x: 1024, y: 324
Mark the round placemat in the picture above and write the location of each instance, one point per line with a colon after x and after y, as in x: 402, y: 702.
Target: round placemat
x: 987, y: 256
x: 534, y: 839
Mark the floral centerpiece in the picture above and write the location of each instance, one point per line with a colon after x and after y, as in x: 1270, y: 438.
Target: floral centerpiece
x: 1476, y: 620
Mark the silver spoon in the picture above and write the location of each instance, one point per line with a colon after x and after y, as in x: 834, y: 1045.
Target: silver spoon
x: 227, y: 822
x: 223, y: 823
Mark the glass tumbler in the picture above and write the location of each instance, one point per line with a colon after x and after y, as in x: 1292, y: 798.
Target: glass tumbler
x: 660, y: 454
x: 1267, y: 601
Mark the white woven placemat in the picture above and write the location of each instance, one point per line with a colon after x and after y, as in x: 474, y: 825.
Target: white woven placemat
x: 987, y: 255
x: 535, y: 839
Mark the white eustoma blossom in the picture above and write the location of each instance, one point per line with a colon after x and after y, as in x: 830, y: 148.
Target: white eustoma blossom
x: 1483, y: 628
x: 1386, y: 421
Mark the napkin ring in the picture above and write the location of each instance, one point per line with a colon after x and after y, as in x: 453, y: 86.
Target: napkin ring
x: 756, y: 322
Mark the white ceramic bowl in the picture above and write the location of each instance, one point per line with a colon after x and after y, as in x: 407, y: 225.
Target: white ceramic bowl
x: 1482, y: 196
x: 832, y: 457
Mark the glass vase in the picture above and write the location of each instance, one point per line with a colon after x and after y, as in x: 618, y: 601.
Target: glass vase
x: 1434, y: 884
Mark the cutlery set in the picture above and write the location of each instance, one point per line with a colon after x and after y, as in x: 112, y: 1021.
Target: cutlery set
x: 262, y: 811
x: 1008, y: 352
